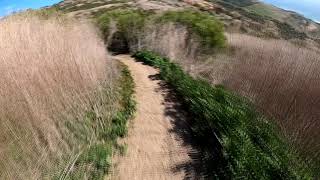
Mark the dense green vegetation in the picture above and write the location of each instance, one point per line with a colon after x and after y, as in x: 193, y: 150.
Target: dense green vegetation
x: 202, y: 24
x: 95, y: 160
x: 128, y: 105
x: 131, y: 23
x: 237, y: 142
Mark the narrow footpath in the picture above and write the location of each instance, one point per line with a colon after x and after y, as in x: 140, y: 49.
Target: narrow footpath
x: 157, y: 144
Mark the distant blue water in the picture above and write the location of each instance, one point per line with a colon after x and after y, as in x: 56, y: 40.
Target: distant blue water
x: 308, y: 8
x: 9, y: 6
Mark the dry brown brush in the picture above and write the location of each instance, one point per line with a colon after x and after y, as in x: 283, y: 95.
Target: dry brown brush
x: 284, y: 82
x: 52, y: 72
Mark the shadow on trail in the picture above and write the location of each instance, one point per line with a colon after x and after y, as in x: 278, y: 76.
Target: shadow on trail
x: 206, y: 159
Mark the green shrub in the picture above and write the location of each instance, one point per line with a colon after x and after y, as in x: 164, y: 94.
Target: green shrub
x: 119, y: 122
x: 98, y: 158
x: 237, y: 142
x: 103, y: 23
x: 129, y: 23
x: 209, y: 29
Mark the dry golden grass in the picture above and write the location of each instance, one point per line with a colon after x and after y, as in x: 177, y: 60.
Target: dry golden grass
x: 52, y: 72
x: 283, y: 80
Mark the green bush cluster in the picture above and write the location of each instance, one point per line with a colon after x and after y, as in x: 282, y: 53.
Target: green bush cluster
x: 98, y: 160
x: 209, y: 29
x: 119, y: 122
x: 237, y: 142
x: 129, y: 23
x: 103, y: 22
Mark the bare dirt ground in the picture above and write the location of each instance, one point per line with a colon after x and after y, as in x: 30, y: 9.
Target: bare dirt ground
x: 86, y: 12
x: 159, y: 140
x: 163, y: 5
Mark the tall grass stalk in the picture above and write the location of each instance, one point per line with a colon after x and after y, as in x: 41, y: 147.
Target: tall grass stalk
x: 52, y: 72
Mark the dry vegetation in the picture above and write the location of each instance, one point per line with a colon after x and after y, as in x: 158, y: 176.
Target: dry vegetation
x: 57, y: 85
x: 283, y: 80
x: 53, y: 72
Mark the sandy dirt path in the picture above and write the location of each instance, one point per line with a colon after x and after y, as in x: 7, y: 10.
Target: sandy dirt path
x: 157, y: 148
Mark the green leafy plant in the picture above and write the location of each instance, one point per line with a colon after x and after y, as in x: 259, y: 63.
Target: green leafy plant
x: 119, y: 122
x: 129, y: 23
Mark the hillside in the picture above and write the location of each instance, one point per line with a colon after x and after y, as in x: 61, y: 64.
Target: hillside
x: 159, y: 89
x: 278, y: 22
x: 267, y: 11
x: 246, y: 16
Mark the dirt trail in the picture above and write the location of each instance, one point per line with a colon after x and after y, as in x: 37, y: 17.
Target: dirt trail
x: 157, y: 147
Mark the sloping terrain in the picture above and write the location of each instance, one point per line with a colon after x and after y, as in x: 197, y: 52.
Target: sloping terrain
x: 246, y: 16
x: 294, y: 19
x: 254, y: 17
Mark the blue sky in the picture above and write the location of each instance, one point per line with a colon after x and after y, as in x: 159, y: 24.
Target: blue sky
x: 309, y: 8
x: 8, y: 6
